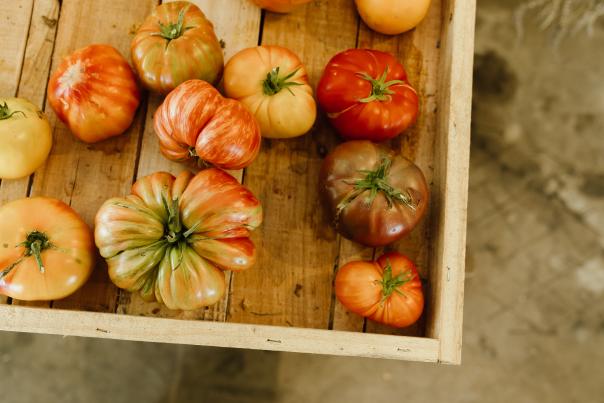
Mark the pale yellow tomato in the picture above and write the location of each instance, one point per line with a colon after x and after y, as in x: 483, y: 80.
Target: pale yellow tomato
x: 25, y: 138
x: 392, y: 17
x: 272, y: 84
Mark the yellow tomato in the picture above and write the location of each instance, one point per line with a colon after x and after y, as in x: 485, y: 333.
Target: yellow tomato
x: 25, y: 138
x: 272, y: 84
x: 392, y: 17
x: 280, y: 6
x: 46, y: 250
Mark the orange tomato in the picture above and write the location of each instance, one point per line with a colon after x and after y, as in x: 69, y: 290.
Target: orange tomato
x: 272, y: 83
x: 46, y: 250
x: 176, y: 43
x: 196, y: 122
x: 392, y: 17
x: 388, y: 291
x: 94, y: 92
x: 280, y: 6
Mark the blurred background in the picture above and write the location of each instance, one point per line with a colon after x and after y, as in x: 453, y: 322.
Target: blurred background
x: 534, y: 301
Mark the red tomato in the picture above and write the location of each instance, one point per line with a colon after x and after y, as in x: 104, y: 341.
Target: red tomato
x: 195, y: 121
x: 94, y: 92
x: 367, y: 96
x: 388, y: 291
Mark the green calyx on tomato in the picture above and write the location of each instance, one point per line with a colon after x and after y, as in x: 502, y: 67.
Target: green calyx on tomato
x: 34, y: 244
x: 174, y: 229
x: 5, y: 112
x: 273, y: 83
x: 380, y: 90
x: 390, y: 284
x: 173, y: 30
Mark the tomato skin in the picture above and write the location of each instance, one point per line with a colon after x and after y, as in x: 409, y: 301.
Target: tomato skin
x: 25, y: 138
x: 94, y: 92
x: 67, y: 263
x: 392, y: 17
x: 280, y: 6
x: 291, y: 111
x: 196, y: 117
x: 342, y: 88
x: 172, y: 237
x: 358, y: 286
x: 377, y: 223
x: 161, y: 63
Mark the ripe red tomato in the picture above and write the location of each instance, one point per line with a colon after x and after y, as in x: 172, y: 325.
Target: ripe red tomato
x: 367, y: 96
x: 195, y: 121
x: 388, y: 291
x: 94, y: 92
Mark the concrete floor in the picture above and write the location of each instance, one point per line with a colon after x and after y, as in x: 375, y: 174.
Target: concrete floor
x: 534, y: 311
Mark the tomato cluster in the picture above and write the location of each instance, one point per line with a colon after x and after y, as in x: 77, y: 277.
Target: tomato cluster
x: 200, y: 224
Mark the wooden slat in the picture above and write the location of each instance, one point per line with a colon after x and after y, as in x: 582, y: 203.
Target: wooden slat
x: 452, y: 162
x: 126, y: 327
x: 418, y: 50
x: 243, y: 15
x: 291, y: 282
x: 13, y: 31
x: 85, y: 175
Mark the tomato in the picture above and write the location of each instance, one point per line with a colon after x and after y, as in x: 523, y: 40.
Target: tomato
x: 94, y: 92
x: 280, y: 6
x: 392, y: 17
x: 272, y: 83
x: 176, y: 43
x: 46, y: 250
x: 195, y: 121
x: 388, y: 291
x: 366, y: 95
x: 172, y: 237
x: 376, y: 196
x: 25, y: 138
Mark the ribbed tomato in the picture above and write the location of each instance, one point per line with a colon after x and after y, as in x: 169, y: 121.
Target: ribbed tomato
x: 272, y: 83
x: 280, y: 6
x: 388, y: 291
x: 94, y: 92
x: 195, y: 121
x: 367, y: 96
x: 172, y: 237
x: 46, y: 249
x: 176, y: 43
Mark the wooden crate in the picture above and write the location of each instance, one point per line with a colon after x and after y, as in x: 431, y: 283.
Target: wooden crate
x: 286, y: 301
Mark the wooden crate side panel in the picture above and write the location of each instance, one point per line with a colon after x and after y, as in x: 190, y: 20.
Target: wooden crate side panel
x: 237, y: 23
x: 452, y: 172
x: 139, y: 328
x: 291, y: 283
x: 83, y: 175
x: 418, y: 50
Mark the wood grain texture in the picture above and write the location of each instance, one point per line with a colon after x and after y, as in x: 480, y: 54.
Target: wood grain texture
x: 291, y: 283
x: 452, y: 162
x: 207, y: 333
x: 15, y: 16
x: 84, y: 175
x: 237, y: 23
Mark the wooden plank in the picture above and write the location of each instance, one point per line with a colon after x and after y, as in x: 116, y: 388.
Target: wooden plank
x: 452, y: 163
x: 418, y: 50
x: 125, y: 327
x: 246, y: 17
x: 13, y: 31
x: 80, y: 174
x: 291, y: 282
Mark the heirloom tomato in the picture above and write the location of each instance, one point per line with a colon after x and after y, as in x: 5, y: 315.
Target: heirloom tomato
x: 272, y: 83
x: 172, y: 237
x: 392, y: 17
x: 366, y: 95
x: 176, y: 43
x: 25, y: 138
x: 388, y: 290
x: 375, y: 195
x: 195, y: 121
x: 94, y: 92
x: 46, y: 249
x: 280, y: 6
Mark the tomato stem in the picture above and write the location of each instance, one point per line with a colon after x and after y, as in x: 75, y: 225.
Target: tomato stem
x: 5, y: 112
x: 273, y: 83
x: 35, y: 243
x: 174, y: 30
x: 390, y: 284
x: 380, y: 88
